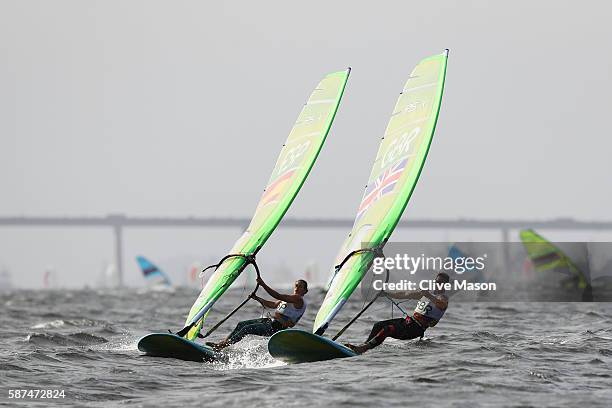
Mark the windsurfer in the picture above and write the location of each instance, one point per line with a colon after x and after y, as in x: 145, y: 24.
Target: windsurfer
x: 288, y: 311
x: 429, y: 310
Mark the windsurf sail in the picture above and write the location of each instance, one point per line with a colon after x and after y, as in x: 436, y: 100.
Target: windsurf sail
x: 471, y: 274
x: 396, y: 170
x: 50, y: 278
x: 545, y: 256
x: 6, y: 282
x: 292, y: 167
x: 152, y: 273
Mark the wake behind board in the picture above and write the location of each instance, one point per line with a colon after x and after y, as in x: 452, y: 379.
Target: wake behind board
x: 172, y: 346
x: 297, y: 346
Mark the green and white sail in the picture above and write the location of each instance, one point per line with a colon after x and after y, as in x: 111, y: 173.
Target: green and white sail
x: 397, y: 167
x: 545, y: 256
x: 292, y: 167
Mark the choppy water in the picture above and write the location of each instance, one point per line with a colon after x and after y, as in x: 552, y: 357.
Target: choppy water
x: 481, y: 354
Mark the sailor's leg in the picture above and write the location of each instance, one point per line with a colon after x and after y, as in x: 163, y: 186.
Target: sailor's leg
x: 380, y: 331
x: 378, y: 326
x: 241, y: 326
x: 263, y: 327
x: 387, y: 328
x: 409, y: 329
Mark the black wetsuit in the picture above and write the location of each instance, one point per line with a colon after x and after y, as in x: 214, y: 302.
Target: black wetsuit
x: 401, y: 328
x: 264, y: 326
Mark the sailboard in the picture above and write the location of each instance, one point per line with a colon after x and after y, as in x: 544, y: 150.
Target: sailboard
x: 170, y: 345
x: 294, y: 163
x: 152, y: 274
x: 395, y: 173
x: 545, y: 256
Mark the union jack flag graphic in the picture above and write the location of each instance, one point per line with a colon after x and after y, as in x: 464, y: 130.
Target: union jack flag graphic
x: 384, y: 184
x: 276, y: 188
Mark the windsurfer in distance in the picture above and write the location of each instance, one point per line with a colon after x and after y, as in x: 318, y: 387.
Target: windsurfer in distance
x: 428, y: 312
x: 288, y: 311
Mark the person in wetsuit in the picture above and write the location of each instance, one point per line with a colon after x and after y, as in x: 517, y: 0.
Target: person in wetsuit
x: 428, y: 312
x: 288, y: 311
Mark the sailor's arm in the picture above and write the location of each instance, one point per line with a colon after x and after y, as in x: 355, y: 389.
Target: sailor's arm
x: 266, y: 303
x: 295, y: 299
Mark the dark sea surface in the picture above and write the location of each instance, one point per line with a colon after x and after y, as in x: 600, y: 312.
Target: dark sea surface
x: 514, y: 354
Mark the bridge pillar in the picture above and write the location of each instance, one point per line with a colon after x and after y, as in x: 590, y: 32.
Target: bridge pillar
x: 506, y: 247
x: 118, y: 231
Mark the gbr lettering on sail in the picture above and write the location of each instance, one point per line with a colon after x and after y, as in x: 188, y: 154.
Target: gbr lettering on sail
x: 399, y: 148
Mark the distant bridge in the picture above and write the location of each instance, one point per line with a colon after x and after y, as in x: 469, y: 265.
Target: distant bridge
x: 119, y: 221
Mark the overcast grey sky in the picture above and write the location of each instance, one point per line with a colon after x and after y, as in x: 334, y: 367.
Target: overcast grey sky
x: 180, y: 108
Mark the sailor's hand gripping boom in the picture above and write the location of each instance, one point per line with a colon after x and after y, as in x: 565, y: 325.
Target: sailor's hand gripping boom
x: 250, y: 260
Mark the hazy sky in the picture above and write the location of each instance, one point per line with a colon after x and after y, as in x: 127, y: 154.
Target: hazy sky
x: 180, y: 108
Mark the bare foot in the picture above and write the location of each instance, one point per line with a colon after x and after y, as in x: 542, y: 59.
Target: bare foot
x: 357, y: 349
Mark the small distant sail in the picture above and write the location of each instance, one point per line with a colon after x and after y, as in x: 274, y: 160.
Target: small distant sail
x: 111, y: 276
x: 545, y: 256
x: 193, y: 273
x: 153, y: 275
x: 471, y: 274
x: 394, y: 175
x: 50, y: 278
x: 6, y: 282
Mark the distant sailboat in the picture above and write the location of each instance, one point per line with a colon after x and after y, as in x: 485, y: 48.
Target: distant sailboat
x: 547, y: 257
x: 108, y: 277
x: 6, y: 282
x: 193, y: 273
x: 600, y: 262
x: 50, y: 279
x: 154, y: 276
